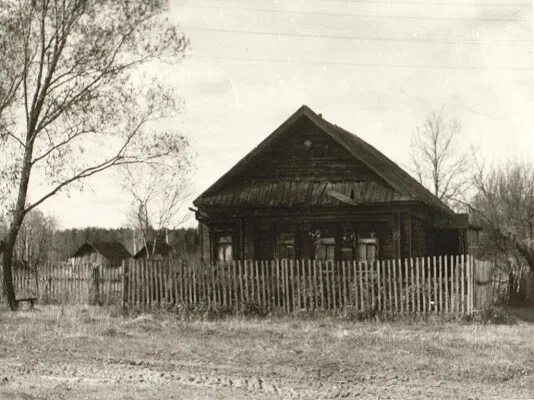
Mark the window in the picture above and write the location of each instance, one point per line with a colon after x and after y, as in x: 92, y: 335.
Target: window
x: 286, y: 246
x: 265, y: 246
x: 223, y: 248
x: 346, y: 250
x: 367, y: 249
x: 326, y: 249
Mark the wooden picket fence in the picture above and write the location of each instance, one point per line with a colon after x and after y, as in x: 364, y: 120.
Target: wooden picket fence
x: 443, y: 284
x: 67, y: 283
x: 440, y: 285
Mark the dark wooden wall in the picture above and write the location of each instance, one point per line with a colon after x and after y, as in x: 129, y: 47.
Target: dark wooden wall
x: 324, y: 159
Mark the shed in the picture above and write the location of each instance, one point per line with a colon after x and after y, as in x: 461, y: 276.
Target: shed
x: 158, y: 250
x: 109, y: 253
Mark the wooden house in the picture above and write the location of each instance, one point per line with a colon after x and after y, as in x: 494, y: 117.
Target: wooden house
x: 103, y: 253
x: 157, y: 250
x: 312, y: 190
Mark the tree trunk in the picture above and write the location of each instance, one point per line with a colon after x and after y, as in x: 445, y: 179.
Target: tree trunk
x: 16, y: 223
x: 9, y: 291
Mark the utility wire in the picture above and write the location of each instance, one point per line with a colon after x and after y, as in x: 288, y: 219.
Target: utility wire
x: 355, y: 64
x: 348, y: 14
x: 426, y: 3
x: 357, y: 38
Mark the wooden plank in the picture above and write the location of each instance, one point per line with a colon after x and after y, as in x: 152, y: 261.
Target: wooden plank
x: 213, y: 289
x: 378, y: 284
x: 269, y: 273
x: 175, y: 285
x: 131, y: 283
x: 412, y: 273
x: 301, y: 288
x: 462, y: 280
x: 334, y: 284
x: 347, y: 281
x: 435, y: 284
x: 372, y: 270
x: 446, y: 279
x: 277, y: 284
x: 263, y: 297
x: 431, y: 302
x: 288, y: 293
x: 181, y: 280
x: 250, y: 280
x: 363, y: 300
x: 328, y: 284
x: 306, y: 265
x: 158, y: 281
x: 283, y: 302
x: 390, y: 285
x: 469, y: 284
x: 241, y: 284
x: 440, y: 285
x: 321, y: 285
x: 419, y: 285
x: 399, y: 285
x: 139, y: 283
x: 231, y: 286
x: 314, y: 291
x: 457, y: 285
x: 258, y: 285
x: 246, y: 277
x: 385, y: 286
x: 124, y: 292
x: 353, y: 289
x: 424, y: 298
x: 395, y: 306
x: 196, y: 282
x: 143, y: 284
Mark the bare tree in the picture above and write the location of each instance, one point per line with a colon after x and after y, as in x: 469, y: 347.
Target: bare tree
x: 75, y: 101
x: 504, y: 208
x: 34, y: 241
x: 158, y: 192
x: 439, y: 161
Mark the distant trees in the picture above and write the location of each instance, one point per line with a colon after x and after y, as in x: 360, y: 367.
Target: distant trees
x: 75, y: 98
x: 35, y: 240
x: 504, y: 208
x: 438, y: 159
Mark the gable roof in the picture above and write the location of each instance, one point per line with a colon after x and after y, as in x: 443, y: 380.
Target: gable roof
x: 161, y: 248
x: 385, y: 168
x: 112, y: 251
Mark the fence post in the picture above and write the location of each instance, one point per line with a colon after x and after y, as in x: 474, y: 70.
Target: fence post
x: 124, y: 290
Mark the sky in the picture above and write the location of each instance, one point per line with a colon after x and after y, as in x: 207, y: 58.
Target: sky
x: 375, y: 68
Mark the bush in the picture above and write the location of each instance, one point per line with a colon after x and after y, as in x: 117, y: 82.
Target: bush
x: 494, y: 315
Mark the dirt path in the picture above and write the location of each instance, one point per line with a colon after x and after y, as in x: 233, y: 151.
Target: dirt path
x: 138, y: 379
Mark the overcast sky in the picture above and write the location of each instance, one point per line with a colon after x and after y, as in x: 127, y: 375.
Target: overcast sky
x: 376, y: 68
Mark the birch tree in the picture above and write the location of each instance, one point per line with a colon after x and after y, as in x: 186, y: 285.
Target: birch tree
x: 75, y: 97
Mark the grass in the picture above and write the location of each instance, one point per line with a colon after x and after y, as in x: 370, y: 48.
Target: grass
x: 95, y: 353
